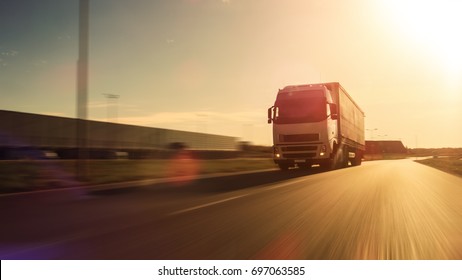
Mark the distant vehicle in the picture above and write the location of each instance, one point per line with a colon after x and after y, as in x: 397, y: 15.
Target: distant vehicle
x: 316, y: 124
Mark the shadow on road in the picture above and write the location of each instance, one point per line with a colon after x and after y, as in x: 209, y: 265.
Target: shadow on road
x: 241, y: 181
x: 218, y: 184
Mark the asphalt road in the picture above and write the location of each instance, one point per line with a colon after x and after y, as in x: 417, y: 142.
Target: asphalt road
x: 381, y: 210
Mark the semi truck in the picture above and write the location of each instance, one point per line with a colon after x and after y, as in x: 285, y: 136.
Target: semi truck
x: 316, y: 124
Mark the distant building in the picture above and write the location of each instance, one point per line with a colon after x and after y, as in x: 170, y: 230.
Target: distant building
x: 384, y: 149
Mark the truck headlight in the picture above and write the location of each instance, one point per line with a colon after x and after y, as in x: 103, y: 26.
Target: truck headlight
x: 323, y: 150
x: 276, y: 152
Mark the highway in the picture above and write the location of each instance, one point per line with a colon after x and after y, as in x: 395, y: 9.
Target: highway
x: 395, y: 209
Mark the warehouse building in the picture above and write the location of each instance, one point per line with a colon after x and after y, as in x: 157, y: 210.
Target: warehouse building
x: 26, y: 135
x: 384, y: 149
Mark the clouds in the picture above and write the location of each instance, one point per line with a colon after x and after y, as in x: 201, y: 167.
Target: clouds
x: 64, y: 37
x: 191, y: 117
x: 250, y: 125
x: 40, y: 62
x: 6, y: 56
x: 9, y: 53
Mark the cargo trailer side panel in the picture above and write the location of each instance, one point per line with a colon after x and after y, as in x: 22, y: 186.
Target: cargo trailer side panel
x: 351, y: 121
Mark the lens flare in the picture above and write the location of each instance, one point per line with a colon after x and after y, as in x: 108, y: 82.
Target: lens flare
x: 184, y: 167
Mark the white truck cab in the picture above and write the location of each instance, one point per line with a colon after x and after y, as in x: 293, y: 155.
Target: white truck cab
x: 306, y: 128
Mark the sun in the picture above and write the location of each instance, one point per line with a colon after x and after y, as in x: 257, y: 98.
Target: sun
x: 434, y: 27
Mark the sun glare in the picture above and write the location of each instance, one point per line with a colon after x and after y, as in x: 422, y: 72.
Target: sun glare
x: 434, y: 27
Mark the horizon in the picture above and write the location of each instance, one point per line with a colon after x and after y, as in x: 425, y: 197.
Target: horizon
x: 243, y: 141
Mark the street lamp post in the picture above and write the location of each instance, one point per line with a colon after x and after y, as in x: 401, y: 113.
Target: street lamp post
x: 372, y: 132
x: 82, y: 90
x: 111, y: 100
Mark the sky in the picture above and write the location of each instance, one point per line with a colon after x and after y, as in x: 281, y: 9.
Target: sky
x: 215, y: 66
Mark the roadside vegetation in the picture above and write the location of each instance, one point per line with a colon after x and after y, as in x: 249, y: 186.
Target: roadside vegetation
x: 450, y: 164
x: 437, y: 152
x: 27, y: 175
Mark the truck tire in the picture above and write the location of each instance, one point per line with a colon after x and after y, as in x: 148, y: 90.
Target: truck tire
x: 340, y: 159
x: 332, y: 162
x: 328, y: 165
x: 283, y: 166
x: 345, y: 157
x: 358, y: 159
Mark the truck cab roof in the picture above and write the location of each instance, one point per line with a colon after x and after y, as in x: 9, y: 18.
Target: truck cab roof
x: 293, y: 88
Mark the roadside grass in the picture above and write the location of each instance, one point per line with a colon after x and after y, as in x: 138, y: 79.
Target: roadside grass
x: 28, y: 175
x: 451, y: 165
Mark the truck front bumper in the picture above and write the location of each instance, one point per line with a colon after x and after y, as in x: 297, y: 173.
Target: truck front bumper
x: 300, y: 153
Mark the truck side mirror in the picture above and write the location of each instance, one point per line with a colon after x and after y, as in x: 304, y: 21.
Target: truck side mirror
x: 333, y: 111
x: 270, y: 114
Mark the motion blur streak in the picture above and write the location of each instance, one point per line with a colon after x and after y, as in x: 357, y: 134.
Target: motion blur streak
x: 283, y: 247
x: 395, y: 209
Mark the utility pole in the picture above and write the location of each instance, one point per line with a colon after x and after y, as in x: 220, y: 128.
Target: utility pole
x: 82, y: 90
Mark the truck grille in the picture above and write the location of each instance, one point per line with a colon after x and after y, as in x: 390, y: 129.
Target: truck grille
x: 299, y: 148
x: 299, y: 137
x: 300, y: 155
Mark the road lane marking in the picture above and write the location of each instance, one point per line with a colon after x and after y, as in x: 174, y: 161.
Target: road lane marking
x: 285, y: 184
x: 234, y: 197
x: 205, y: 205
x: 36, y: 249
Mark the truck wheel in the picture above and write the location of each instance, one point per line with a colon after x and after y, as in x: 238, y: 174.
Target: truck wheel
x: 327, y: 165
x: 345, y: 157
x: 283, y: 166
x: 340, y: 158
x: 333, y: 162
x: 358, y: 159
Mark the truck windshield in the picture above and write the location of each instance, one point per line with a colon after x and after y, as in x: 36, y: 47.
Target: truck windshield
x: 301, y: 109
